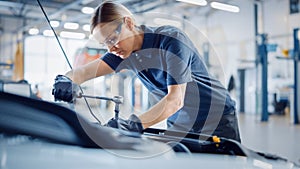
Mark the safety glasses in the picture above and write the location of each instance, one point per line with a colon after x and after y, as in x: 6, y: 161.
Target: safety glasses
x: 114, y: 37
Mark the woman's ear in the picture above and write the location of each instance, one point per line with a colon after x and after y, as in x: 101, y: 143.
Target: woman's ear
x: 129, y: 23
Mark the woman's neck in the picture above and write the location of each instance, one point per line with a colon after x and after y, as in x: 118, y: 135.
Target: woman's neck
x: 139, y: 39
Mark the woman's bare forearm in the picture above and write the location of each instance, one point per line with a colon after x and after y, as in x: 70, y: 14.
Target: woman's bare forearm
x: 166, y: 107
x: 89, y: 71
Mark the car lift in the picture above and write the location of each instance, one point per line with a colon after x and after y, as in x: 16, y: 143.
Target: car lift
x: 262, y: 58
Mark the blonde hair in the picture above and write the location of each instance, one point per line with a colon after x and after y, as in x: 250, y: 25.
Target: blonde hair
x: 108, y: 11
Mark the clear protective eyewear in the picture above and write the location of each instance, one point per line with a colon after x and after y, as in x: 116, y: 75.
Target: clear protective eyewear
x: 114, y: 37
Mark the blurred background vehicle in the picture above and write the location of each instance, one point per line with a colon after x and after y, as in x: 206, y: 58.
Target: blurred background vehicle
x: 86, y: 55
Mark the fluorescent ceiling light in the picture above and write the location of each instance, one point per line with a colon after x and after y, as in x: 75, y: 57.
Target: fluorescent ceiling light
x: 86, y: 27
x: 48, y: 33
x: 33, y: 31
x: 195, y: 2
x: 71, y: 25
x: 54, y: 24
x: 72, y: 35
x: 87, y: 10
x: 225, y: 7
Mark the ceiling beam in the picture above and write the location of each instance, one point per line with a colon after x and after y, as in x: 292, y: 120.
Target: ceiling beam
x: 52, y: 15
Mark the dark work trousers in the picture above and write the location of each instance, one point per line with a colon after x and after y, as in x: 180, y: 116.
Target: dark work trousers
x: 227, y: 127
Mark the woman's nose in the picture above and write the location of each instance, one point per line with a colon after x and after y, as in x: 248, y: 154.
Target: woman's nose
x: 112, y: 48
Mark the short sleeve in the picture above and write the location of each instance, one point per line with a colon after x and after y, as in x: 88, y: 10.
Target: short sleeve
x: 112, y: 60
x: 178, y: 57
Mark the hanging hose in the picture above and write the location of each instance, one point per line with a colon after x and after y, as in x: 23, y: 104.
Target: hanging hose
x: 178, y: 147
x: 65, y: 55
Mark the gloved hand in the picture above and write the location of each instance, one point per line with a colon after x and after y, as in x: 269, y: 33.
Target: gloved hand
x: 64, y: 89
x: 132, y: 124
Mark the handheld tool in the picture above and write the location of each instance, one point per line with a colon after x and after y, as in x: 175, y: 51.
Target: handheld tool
x: 116, y: 99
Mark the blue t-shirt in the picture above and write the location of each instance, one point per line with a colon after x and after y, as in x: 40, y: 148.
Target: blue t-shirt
x: 168, y: 57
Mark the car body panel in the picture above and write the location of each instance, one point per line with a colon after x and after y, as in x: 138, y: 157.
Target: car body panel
x: 39, y: 134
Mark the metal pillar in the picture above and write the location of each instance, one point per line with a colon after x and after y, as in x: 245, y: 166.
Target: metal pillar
x: 133, y: 93
x: 296, y: 75
x: 263, y: 54
x: 241, y: 73
x: 257, y: 60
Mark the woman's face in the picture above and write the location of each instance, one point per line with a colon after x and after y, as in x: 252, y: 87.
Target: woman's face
x: 117, y: 36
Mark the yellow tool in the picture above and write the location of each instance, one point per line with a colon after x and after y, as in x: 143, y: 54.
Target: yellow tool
x: 216, y: 139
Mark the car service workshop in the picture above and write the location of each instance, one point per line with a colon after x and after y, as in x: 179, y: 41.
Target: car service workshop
x: 149, y: 83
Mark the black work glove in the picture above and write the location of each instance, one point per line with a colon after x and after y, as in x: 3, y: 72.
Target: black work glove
x: 64, y: 89
x: 132, y: 124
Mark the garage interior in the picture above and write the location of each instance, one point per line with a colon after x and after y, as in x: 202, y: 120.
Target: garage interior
x: 253, y: 50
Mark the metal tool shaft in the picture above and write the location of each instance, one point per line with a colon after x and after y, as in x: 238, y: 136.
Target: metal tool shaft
x: 116, y: 99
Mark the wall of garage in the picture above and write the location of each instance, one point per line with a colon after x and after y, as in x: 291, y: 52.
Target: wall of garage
x: 8, y: 39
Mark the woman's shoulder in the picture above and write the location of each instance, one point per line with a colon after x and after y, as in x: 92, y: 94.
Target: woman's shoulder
x: 163, y: 30
x: 168, y: 28
x: 170, y: 33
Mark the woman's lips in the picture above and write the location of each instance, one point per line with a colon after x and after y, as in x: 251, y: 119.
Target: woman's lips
x: 119, y: 53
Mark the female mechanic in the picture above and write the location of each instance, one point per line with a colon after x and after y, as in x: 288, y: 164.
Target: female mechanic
x: 168, y: 65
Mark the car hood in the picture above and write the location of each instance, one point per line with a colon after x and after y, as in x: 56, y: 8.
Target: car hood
x: 23, y: 152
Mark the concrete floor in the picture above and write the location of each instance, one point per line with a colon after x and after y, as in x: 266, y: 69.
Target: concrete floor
x: 277, y: 136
